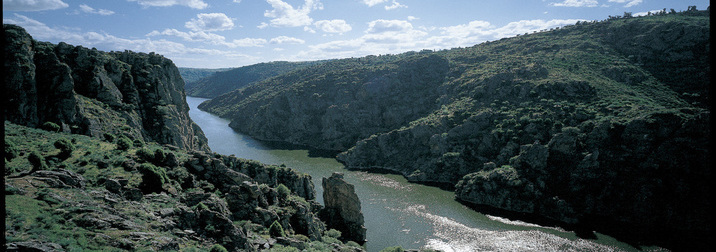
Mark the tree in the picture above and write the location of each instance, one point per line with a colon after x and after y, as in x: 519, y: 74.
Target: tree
x: 66, y: 147
x: 50, y: 126
x: 217, y: 248
x: 37, y: 161
x: 276, y: 230
x: 124, y: 143
x: 283, y: 192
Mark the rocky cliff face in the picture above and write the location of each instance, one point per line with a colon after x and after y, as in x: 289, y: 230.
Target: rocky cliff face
x: 94, y: 93
x: 342, y: 210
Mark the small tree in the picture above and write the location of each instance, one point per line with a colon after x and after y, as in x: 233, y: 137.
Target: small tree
x: 159, y: 156
x: 283, y: 192
x: 217, y: 248
x: 66, y: 147
x: 276, y: 230
x: 124, y: 143
x: 50, y: 126
x: 37, y: 161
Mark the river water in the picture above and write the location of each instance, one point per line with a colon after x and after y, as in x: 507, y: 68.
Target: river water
x: 401, y: 213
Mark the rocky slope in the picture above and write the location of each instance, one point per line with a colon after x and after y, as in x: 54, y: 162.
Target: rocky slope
x: 604, y: 124
x: 226, y: 81
x: 87, y: 194
x: 86, y: 91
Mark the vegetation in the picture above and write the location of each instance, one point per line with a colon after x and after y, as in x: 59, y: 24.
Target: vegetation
x: 276, y: 230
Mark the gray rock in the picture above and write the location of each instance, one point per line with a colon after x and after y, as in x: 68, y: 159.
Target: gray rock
x: 343, y: 210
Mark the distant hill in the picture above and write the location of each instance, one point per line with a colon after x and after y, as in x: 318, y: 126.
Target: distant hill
x: 194, y: 74
x: 603, y: 124
x: 221, y: 82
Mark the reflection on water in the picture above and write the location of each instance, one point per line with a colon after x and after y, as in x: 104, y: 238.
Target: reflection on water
x: 401, y: 213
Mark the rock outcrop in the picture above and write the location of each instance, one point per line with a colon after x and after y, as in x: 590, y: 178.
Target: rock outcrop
x: 95, y: 93
x: 342, y: 208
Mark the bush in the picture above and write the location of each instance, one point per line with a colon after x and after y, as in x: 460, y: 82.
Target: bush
x: 333, y: 233
x: 153, y: 178
x: 276, y: 230
x: 124, y: 143
x: 109, y: 137
x: 159, y: 156
x: 37, y: 161
x: 283, y: 191
x: 217, y: 248
x: 50, y: 126
x: 10, y: 150
x: 138, y: 143
x: 66, y: 147
x: 145, y: 154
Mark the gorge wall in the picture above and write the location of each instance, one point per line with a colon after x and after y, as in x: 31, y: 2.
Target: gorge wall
x: 603, y: 124
x: 90, y: 92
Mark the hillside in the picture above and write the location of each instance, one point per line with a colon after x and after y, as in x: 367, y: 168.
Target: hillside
x: 222, y: 82
x: 78, y: 90
x: 69, y: 192
x: 191, y: 75
x: 599, y: 124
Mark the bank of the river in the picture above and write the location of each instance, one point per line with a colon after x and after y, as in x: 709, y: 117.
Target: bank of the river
x: 401, y: 213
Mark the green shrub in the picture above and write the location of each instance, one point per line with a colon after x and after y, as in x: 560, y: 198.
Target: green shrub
x: 50, y: 126
x: 37, y: 161
x: 332, y: 233
x: 109, y: 137
x: 145, y: 154
x: 153, y: 178
x: 276, y: 230
x: 159, y: 156
x: 65, y: 146
x: 217, y: 248
x: 10, y: 150
x: 353, y: 244
x: 124, y: 143
x: 283, y: 191
x: 138, y: 143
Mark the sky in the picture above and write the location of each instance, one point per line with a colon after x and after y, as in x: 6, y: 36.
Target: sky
x: 235, y: 33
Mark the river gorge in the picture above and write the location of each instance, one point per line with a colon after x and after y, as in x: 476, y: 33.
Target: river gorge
x: 401, y: 213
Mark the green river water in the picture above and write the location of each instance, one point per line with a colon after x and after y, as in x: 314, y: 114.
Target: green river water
x: 401, y: 213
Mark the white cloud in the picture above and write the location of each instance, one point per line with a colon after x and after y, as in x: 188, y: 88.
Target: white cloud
x: 576, y: 3
x: 285, y: 15
x: 33, y: 5
x: 88, y: 9
x: 194, y: 4
x: 382, y: 25
x: 333, y: 26
x: 411, y: 18
x: 247, y: 42
x: 644, y: 13
x: 286, y: 40
x: 372, y: 3
x: 629, y: 3
x: 210, y: 22
x: 177, y: 52
x: 211, y: 38
x: 395, y: 5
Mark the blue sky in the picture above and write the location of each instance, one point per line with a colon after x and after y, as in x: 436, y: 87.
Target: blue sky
x: 233, y: 33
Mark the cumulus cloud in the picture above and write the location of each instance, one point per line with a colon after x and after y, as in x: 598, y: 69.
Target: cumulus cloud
x: 629, y: 3
x: 87, y: 9
x: 33, y: 5
x: 395, y: 5
x: 286, y: 40
x: 392, y: 6
x: 194, y: 4
x: 333, y: 26
x: 576, y: 3
x: 178, y: 52
x: 382, y: 25
x: 285, y: 15
x: 211, y: 38
x: 210, y: 22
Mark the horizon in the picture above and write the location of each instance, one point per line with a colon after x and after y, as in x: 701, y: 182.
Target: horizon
x: 236, y: 33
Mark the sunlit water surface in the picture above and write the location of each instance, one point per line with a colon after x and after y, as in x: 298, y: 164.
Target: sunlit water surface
x: 401, y: 213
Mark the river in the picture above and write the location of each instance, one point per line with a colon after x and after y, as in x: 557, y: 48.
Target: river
x: 401, y: 213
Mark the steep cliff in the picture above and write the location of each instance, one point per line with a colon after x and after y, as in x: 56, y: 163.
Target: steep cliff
x: 599, y: 123
x: 343, y: 211
x: 86, y: 91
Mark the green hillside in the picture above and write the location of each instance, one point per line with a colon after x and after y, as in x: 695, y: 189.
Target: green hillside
x: 221, y: 82
x: 603, y: 124
x: 191, y: 75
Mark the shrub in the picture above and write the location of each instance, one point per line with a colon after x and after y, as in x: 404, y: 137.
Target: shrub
x: 37, y: 161
x: 332, y: 233
x: 276, y: 230
x: 283, y: 191
x: 109, y: 137
x: 138, y: 143
x: 217, y: 248
x: 153, y: 178
x: 159, y: 156
x: 66, y: 147
x: 145, y: 154
x: 10, y: 150
x: 124, y: 143
x: 50, y: 126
